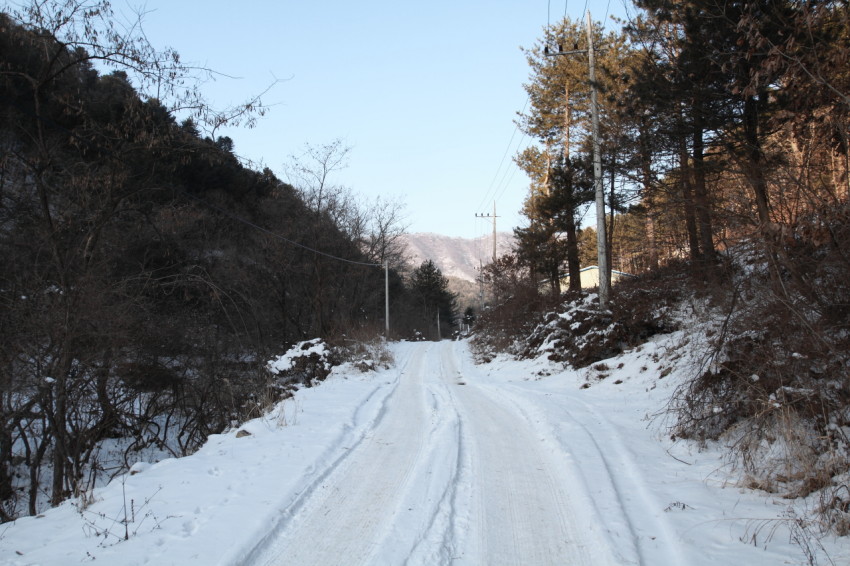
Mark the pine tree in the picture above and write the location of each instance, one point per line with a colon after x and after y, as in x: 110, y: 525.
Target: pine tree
x: 559, y: 118
x: 435, y: 301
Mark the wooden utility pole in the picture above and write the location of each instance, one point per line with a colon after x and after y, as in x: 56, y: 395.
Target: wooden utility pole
x: 494, y: 217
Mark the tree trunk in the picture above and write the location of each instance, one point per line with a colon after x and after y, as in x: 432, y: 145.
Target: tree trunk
x: 6, y: 490
x: 108, y: 418
x: 567, y: 121
x: 646, y: 174
x: 701, y: 200
x: 651, y: 240
x: 573, y: 261
x: 844, y: 190
x: 555, y: 280
x: 755, y: 155
x: 60, y: 429
x: 34, y: 463
x: 688, y: 202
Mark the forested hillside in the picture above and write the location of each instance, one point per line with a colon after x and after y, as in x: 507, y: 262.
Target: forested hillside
x: 718, y: 122
x: 147, y: 275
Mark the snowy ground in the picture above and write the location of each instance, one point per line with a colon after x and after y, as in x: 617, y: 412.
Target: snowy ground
x: 439, y: 461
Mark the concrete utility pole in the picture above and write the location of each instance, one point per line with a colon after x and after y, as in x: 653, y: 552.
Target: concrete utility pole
x: 601, y: 234
x: 387, y: 296
x: 494, y: 217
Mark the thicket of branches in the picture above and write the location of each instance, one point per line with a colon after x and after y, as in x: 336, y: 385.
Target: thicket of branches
x: 147, y: 274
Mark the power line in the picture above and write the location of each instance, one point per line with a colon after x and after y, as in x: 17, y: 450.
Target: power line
x: 549, y: 9
x: 504, y: 155
x: 627, y: 9
x: 506, y: 178
x: 507, y: 182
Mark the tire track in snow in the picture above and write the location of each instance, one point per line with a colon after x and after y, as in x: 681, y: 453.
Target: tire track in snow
x: 611, y: 467
x: 448, y: 474
x: 343, y: 517
x: 656, y: 541
x: 520, y: 508
x: 439, y: 482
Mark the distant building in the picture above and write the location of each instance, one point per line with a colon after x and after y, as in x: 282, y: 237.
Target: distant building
x: 590, y: 277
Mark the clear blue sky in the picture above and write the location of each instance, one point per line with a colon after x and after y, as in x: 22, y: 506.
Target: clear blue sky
x: 425, y: 93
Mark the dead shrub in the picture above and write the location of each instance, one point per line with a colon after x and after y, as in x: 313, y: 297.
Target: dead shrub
x: 579, y: 334
x: 515, y: 308
x: 150, y: 377
x: 645, y: 306
x: 364, y: 354
x: 573, y: 330
x: 835, y: 509
x: 306, y: 363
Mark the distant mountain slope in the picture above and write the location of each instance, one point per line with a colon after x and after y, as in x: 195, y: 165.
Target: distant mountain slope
x: 457, y: 257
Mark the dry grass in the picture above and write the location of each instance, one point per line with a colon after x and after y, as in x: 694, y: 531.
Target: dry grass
x: 776, y: 384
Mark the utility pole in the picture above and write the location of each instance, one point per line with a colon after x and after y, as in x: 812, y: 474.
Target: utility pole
x: 601, y: 234
x: 494, y: 217
x: 387, y: 297
x: 480, y: 283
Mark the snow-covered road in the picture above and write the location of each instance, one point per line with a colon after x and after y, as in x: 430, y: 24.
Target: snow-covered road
x: 438, y: 461
x: 448, y: 474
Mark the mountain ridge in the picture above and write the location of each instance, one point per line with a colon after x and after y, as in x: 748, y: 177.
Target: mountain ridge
x: 456, y: 257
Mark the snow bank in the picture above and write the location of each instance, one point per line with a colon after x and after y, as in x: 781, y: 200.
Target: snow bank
x: 214, y: 506
x: 315, y: 348
x: 670, y: 501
